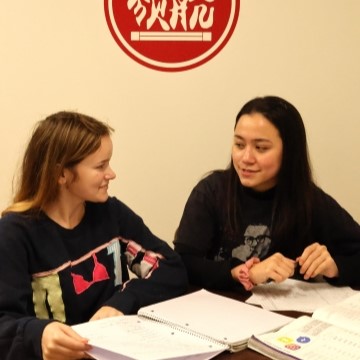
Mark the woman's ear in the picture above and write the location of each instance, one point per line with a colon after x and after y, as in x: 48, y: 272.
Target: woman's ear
x: 66, y: 177
x: 62, y: 180
x: 62, y: 175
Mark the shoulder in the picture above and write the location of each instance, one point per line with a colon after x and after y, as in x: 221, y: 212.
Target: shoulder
x: 112, y: 204
x: 17, y: 229
x: 14, y: 220
x: 112, y: 210
x: 325, y: 206
x: 321, y: 198
x: 210, y: 192
x: 214, y: 182
x: 211, y: 189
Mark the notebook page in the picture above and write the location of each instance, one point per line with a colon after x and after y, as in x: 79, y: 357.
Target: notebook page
x: 345, y: 314
x: 298, y: 295
x: 142, y: 339
x: 221, y: 318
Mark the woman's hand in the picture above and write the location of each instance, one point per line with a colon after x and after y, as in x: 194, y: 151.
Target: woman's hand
x: 105, y: 312
x: 276, y: 268
x: 316, y: 260
x: 61, y: 342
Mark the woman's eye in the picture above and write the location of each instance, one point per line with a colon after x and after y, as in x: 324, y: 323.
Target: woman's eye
x: 240, y: 145
x: 261, y: 148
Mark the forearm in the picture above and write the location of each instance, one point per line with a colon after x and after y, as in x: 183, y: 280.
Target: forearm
x: 21, y: 338
x: 349, y: 270
x: 160, y: 276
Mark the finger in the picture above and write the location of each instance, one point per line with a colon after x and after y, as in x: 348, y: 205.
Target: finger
x: 324, y: 265
x: 105, y: 312
x: 72, y: 334
x: 310, y: 254
x: 60, y: 341
x: 61, y: 353
x: 306, y: 253
x: 282, y: 270
x: 314, y: 265
x: 281, y: 274
x: 269, y: 269
x: 71, y: 341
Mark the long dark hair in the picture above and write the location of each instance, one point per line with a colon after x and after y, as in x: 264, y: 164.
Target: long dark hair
x: 291, y: 215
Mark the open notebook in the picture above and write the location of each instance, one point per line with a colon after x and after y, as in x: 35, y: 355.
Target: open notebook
x: 198, y: 325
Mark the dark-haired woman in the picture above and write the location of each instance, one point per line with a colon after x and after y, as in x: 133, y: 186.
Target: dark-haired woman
x: 263, y: 218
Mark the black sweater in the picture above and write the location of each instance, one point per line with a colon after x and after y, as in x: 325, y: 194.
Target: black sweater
x: 209, y: 251
x: 50, y: 273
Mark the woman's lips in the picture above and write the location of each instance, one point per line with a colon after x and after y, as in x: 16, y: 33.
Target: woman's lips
x: 248, y: 172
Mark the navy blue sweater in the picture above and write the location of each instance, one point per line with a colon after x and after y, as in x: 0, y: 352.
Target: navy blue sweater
x: 49, y: 273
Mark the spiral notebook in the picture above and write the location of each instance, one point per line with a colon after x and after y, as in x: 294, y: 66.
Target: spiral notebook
x: 198, y: 325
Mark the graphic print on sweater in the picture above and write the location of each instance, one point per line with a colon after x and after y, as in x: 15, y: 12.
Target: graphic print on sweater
x: 99, y: 274
x: 48, y: 292
x: 256, y: 243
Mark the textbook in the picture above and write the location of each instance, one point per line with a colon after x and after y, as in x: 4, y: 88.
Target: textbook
x: 331, y: 333
x: 198, y: 325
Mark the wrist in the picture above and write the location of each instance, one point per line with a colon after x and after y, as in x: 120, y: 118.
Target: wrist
x: 244, y: 274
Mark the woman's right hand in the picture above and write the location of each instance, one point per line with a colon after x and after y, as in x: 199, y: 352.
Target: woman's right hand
x: 61, y: 342
x: 276, y: 268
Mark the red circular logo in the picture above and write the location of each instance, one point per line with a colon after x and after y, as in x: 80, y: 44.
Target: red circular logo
x: 171, y: 35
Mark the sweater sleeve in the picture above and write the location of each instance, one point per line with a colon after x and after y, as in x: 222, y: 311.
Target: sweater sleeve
x: 20, y: 330
x: 336, y: 228
x: 198, y: 235
x: 160, y: 272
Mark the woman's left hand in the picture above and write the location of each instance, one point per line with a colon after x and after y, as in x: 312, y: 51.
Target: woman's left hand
x: 105, y: 312
x: 316, y: 260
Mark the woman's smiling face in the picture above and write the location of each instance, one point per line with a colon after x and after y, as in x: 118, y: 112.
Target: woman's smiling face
x: 257, y: 152
x: 93, y: 175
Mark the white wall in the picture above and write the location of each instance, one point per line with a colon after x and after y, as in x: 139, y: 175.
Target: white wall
x: 171, y: 128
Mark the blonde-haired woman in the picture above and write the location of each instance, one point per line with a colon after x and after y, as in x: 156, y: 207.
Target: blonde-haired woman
x: 66, y: 245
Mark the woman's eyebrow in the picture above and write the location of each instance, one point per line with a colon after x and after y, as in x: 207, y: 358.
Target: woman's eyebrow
x: 262, y: 140
x: 239, y: 137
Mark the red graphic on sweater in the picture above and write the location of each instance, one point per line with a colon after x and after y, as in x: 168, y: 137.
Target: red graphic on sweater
x: 133, y: 248
x: 99, y: 274
x: 151, y: 259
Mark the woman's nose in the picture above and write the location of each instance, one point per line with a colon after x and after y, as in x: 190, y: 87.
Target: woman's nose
x: 110, y: 174
x: 248, y: 155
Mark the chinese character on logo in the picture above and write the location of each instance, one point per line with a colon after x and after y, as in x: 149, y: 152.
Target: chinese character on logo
x: 172, y: 35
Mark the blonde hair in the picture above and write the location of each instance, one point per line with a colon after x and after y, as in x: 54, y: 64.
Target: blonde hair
x: 59, y: 141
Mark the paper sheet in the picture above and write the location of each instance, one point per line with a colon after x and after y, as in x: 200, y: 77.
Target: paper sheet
x: 129, y: 337
x: 296, y: 295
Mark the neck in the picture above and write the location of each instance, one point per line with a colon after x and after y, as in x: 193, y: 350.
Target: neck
x: 66, y: 215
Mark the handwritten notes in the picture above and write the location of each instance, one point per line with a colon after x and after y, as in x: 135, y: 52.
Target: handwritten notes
x: 298, y: 295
